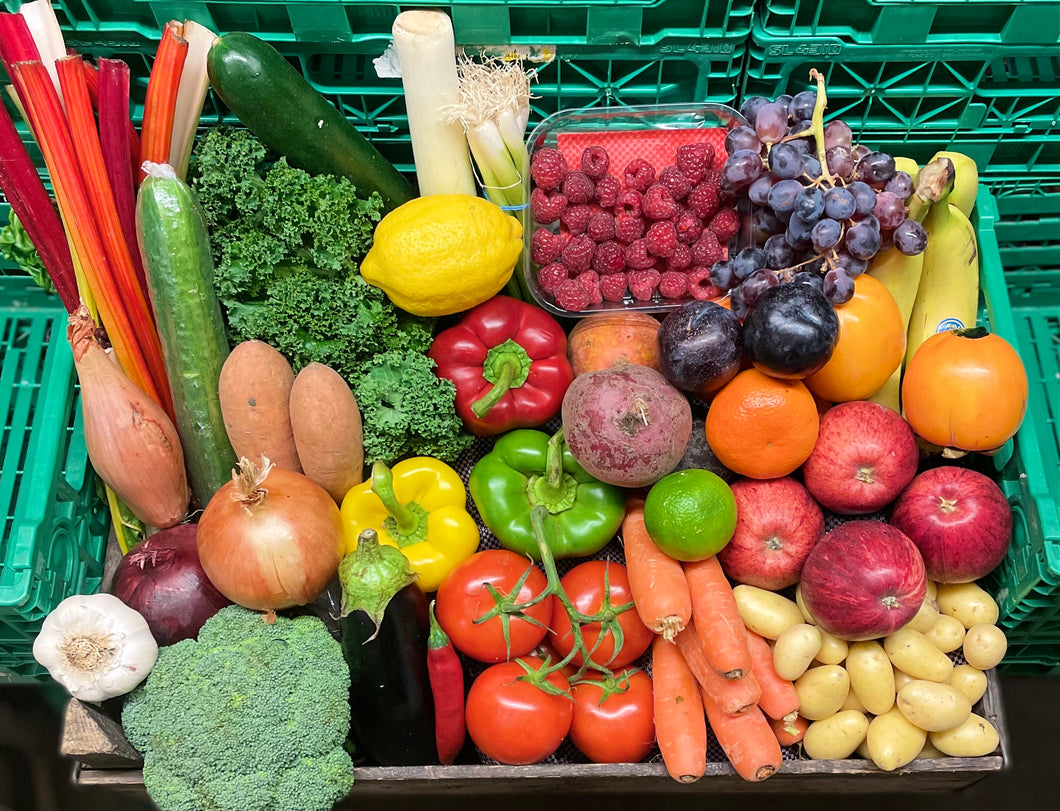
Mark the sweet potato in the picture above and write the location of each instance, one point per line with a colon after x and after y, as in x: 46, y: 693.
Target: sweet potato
x: 255, y: 391
x: 327, y: 429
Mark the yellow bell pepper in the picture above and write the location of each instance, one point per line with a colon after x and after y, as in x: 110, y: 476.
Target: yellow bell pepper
x: 421, y: 508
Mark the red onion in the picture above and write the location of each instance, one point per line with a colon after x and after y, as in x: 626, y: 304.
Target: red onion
x: 163, y: 580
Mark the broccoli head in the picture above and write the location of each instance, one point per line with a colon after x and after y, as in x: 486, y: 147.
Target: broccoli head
x: 252, y: 715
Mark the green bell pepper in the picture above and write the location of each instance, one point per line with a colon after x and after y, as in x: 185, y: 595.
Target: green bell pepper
x: 527, y: 468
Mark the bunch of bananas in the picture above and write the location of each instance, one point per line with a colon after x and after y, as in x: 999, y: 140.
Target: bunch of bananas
x: 938, y: 289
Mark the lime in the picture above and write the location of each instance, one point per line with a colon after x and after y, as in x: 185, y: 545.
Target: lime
x: 690, y: 514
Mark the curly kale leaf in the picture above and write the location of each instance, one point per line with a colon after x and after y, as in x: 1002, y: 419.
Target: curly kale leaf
x: 409, y: 408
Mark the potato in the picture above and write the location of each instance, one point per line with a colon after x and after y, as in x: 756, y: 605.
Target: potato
x: 974, y: 738
x: 892, y: 741
x: 871, y: 676
x: 930, y: 751
x: 795, y: 648
x: 833, y: 649
x: 933, y: 706
x: 915, y: 654
x: 947, y: 634
x: 932, y: 590
x: 969, y: 680
x: 985, y: 646
x: 822, y: 691
x: 807, y: 616
x: 925, y: 617
x: 835, y: 737
x: 901, y: 678
x: 852, y: 702
x: 968, y: 602
x: 765, y: 612
x: 626, y: 425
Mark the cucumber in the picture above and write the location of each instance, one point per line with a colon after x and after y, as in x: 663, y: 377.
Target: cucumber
x: 291, y: 117
x: 175, y: 247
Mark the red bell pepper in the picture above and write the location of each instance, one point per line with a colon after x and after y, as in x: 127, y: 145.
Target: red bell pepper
x: 508, y: 361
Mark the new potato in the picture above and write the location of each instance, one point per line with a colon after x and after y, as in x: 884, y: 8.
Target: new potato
x: 892, y: 740
x: 969, y: 680
x: 985, y: 645
x: 974, y: 738
x: 835, y: 737
x: 926, y: 617
x: 833, y: 649
x: 933, y: 706
x: 765, y: 612
x: 871, y: 676
x: 915, y: 654
x: 822, y: 691
x: 947, y: 633
x: 968, y: 602
x: 795, y: 648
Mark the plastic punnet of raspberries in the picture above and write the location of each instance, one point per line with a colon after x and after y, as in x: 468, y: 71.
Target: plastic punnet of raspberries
x: 613, y: 286
x: 639, y: 174
x: 629, y: 201
x: 576, y: 218
x: 637, y: 255
x: 658, y: 203
x: 689, y: 227
x: 643, y: 283
x: 607, y: 191
x: 595, y: 161
x: 707, y: 250
x: 703, y: 200
x: 572, y: 296
x: 609, y: 257
x: 725, y: 224
x: 546, y: 208
x: 699, y: 284
x: 680, y: 259
x: 578, y: 187
x: 548, y: 168
x: 590, y: 280
x: 694, y: 159
x: 577, y: 254
x: 601, y: 226
x: 545, y: 246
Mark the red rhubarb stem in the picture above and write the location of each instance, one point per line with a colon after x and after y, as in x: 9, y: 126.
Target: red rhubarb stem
x: 160, y: 104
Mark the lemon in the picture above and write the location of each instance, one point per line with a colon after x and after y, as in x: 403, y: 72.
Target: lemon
x: 690, y: 514
x: 443, y: 254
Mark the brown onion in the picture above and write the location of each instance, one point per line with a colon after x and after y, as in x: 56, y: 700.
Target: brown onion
x: 131, y: 441
x: 270, y: 538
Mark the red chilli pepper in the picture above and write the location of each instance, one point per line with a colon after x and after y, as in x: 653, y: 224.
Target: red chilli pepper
x: 446, y: 675
x: 508, y: 361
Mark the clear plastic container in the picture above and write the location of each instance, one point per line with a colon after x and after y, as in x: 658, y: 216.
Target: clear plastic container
x: 572, y: 130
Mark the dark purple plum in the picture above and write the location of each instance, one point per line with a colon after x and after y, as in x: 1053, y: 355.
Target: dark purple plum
x: 700, y: 347
x: 791, y: 331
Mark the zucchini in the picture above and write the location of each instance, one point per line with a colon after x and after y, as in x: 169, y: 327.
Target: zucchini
x: 175, y: 247
x: 291, y: 117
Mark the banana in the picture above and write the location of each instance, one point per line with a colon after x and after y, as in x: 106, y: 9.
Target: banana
x: 966, y: 181
x: 948, y: 295
x: 901, y: 275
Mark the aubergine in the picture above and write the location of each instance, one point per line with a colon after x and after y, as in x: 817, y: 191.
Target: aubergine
x: 700, y: 347
x: 791, y: 331
x: 383, y: 632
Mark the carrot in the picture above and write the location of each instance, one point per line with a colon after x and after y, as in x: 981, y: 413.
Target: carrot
x: 721, y: 628
x: 680, y: 723
x: 747, y: 740
x: 733, y: 695
x: 789, y: 733
x: 779, y: 699
x: 656, y: 580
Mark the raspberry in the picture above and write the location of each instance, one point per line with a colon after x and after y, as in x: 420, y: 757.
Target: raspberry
x: 703, y: 201
x: 613, y: 286
x: 548, y: 168
x: 673, y: 284
x: 712, y: 177
x: 576, y: 218
x: 595, y: 161
x: 572, y: 296
x: 699, y: 284
x: 609, y: 257
x: 694, y: 160
x: 577, y: 254
x: 578, y: 187
x: 551, y: 276
x: 601, y: 227
x: 639, y: 175
x: 546, y: 208
x: 681, y: 259
x: 706, y: 250
x: 628, y: 227
x: 629, y: 201
x: 637, y: 256
x: 607, y: 189
x: 676, y: 181
x: 642, y: 283
x: 658, y: 203
x: 689, y: 227
x: 661, y: 238
x: 545, y: 246
x: 726, y: 224
x: 590, y: 280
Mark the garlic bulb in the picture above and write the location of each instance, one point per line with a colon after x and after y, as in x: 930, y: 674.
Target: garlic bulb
x: 96, y: 646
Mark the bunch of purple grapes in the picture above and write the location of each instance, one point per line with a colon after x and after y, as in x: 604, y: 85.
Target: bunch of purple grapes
x: 811, y: 226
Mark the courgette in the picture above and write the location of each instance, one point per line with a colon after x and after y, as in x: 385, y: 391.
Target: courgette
x: 276, y: 103
x: 175, y: 247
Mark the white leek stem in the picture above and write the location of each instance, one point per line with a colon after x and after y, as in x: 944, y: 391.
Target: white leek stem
x: 425, y: 46
x: 513, y: 135
x: 44, y: 28
x: 501, y: 179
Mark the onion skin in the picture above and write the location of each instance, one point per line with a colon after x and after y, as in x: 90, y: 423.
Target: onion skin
x: 132, y: 443
x: 163, y: 579
x: 270, y: 538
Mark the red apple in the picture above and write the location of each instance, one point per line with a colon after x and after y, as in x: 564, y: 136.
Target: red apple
x: 863, y: 580
x: 864, y: 457
x: 960, y: 521
x: 777, y: 524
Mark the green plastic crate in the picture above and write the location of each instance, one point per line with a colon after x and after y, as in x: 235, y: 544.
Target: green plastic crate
x: 1026, y: 585
x: 915, y: 24
x: 1001, y: 92
x: 55, y: 527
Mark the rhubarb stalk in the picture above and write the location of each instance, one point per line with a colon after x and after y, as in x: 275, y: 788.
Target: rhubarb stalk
x: 156, y: 136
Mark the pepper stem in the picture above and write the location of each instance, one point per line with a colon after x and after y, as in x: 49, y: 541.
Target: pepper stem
x: 506, y: 366
x: 554, y: 461
x: 481, y: 407
x: 406, y: 521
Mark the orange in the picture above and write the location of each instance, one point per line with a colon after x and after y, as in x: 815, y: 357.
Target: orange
x: 871, y: 345
x: 762, y: 427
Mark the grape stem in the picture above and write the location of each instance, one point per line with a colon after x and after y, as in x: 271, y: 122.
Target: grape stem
x: 817, y: 124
